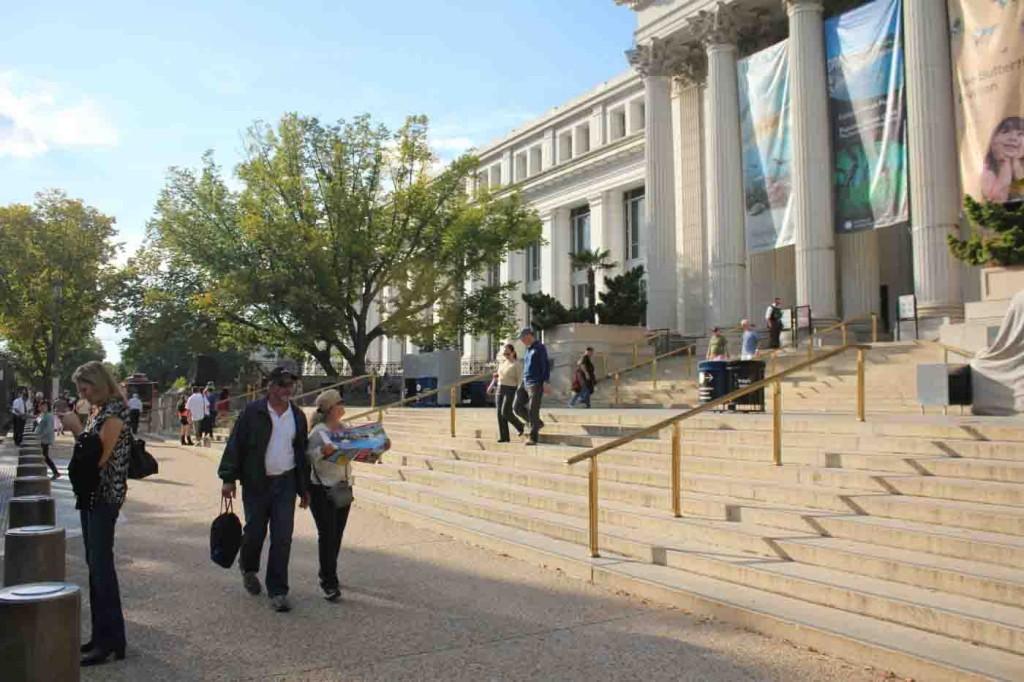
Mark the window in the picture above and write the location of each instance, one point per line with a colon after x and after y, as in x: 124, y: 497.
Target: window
x: 533, y: 262
x: 494, y: 275
x: 633, y: 203
x: 481, y: 181
x: 579, y: 220
x: 617, y: 123
x: 496, y: 175
x: 579, y: 296
x: 637, y: 112
x: 565, y: 146
x: 582, y: 140
x: 536, y: 160
x: 520, y: 166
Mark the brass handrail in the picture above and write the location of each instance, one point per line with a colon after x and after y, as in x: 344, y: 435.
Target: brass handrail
x: 341, y: 384
x: 674, y: 422
x: 956, y: 350
x: 843, y: 325
x: 690, y: 349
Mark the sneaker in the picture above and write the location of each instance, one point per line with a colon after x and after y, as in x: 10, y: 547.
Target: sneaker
x: 251, y: 582
x: 531, y: 442
x: 279, y: 602
x: 332, y: 594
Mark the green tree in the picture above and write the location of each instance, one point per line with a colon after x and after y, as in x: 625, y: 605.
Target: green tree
x: 997, y: 234
x: 55, y: 278
x: 547, y: 311
x: 331, y: 223
x: 592, y: 261
x: 489, y: 311
x: 625, y: 301
x: 89, y: 350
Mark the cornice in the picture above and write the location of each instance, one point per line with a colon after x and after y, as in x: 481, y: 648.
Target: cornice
x: 635, y: 5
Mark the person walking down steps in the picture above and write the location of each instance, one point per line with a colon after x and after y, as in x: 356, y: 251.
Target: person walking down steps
x: 507, y: 379
x: 47, y: 431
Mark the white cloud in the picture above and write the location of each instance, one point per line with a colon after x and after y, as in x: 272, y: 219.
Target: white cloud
x: 36, y: 117
x: 452, y: 145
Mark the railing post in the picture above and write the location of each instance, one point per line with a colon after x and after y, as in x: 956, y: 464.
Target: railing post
x: 777, y: 423
x: 373, y: 391
x: 693, y: 361
x: 616, y: 389
x: 860, y: 384
x: 810, y: 345
x: 592, y: 493
x: 636, y: 354
x: 677, y: 456
x: 874, y: 327
x: 844, y: 334
x: 654, y: 373
x: 454, y: 405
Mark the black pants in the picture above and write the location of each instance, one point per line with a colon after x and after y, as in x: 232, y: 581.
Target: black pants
x: 133, y: 418
x: 505, y: 402
x: 330, y: 527
x: 18, y: 427
x: 273, y: 504
x: 104, y: 595
x: 46, y: 455
x: 528, y: 402
x: 775, y: 335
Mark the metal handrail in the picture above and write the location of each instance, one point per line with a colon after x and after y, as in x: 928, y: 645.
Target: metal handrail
x: 956, y: 350
x: 843, y: 324
x: 453, y: 387
x: 674, y: 422
x: 690, y: 349
x: 371, y: 377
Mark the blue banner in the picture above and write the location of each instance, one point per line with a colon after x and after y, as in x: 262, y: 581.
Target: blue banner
x: 864, y: 49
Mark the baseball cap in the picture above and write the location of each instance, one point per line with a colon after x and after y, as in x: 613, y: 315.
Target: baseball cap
x: 328, y: 399
x: 281, y: 375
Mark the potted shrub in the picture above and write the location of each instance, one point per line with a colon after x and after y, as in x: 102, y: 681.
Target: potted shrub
x: 996, y: 244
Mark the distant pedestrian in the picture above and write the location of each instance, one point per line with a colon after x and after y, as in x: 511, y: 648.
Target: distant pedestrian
x: 47, y: 434
x: 507, y: 380
x: 748, y: 345
x: 135, y: 412
x: 19, y: 413
x: 105, y: 442
x: 718, y: 346
x: 184, y: 430
x: 197, y: 408
x: 223, y: 404
x: 584, y: 379
x: 330, y: 490
x: 210, y: 394
x: 773, y: 321
x: 536, y: 375
x: 267, y: 452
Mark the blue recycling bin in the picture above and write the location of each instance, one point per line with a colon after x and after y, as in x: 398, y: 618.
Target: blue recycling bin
x: 712, y: 380
x: 423, y: 385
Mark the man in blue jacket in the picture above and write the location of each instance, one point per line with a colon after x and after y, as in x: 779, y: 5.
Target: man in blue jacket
x: 536, y: 375
x: 267, y: 452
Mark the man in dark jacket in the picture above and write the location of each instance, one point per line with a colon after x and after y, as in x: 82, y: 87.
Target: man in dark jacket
x: 267, y: 452
x: 536, y: 375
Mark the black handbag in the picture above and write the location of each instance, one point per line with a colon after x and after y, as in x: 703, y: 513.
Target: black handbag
x: 225, y: 535
x: 141, y: 464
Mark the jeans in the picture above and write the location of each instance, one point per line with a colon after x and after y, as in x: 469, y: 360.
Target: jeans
x: 330, y: 527
x: 18, y: 427
x: 583, y: 396
x: 273, y: 505
x: 45, y: 447
x: 505, y: 401
x: 104, y: 595
x: 528, y: 402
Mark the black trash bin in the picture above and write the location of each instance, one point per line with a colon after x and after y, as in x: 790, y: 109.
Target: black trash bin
x: 742, y: 373
x: 712, y: 380
x: 960, y: 385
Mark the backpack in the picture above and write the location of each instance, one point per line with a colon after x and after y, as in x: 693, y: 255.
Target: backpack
x: 140, y: 462
x: 225, y: 535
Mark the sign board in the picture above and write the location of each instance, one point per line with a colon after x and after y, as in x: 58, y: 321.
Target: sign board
x: 787, y: 318
x: 906, y: 312
x: 933, y: 385
x: 803, y: 317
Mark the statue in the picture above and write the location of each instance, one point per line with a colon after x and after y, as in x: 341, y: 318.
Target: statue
x: 997, y: 373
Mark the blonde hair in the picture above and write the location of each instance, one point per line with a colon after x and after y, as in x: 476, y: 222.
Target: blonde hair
x: 97, y: 376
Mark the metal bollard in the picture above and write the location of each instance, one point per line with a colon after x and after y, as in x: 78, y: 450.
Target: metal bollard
x: 26, y: 470
x: 31, y: 510
x: 33, y: 554
x: 31, y: 485
x: 40, y: 636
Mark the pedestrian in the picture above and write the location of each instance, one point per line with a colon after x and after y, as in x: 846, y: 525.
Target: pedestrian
x: 536, y: 375
x: 223, y: 405
x: 197, y: 407
x: 267, y: 452
x: 507, y: 379
x: 773, y: 321
x: 211, y: 410
x: 584, y: 379
x: 718, y: 346
x: 36, y: 411
x: 47, y: 434
x: 330, y: 490
x: 135, y: 412
x: 19, y: 413
x: 748, y: 345
x: 104, y: 442
x: 185, y: 431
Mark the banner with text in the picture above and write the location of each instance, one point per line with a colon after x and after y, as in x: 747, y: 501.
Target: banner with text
x: 864, y: 49
x: 988, y: 74
x: 767, y: 155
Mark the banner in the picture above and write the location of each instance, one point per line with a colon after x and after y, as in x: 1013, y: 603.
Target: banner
x: 767, y: 154
x: 988, y: 74
x: 864, y: 50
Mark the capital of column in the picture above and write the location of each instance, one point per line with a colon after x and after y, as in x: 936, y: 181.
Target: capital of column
x: 793, y: 6
x: 733, y: 23
x: 670, y: 56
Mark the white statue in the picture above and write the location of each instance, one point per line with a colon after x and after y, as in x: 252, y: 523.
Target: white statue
x: 997, y: 373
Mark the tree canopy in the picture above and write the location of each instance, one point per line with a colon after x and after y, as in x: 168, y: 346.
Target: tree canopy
x: 331, y: 236
x: 997, y: 234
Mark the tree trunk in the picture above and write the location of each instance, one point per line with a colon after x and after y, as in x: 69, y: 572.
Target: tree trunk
x: 324, y: 358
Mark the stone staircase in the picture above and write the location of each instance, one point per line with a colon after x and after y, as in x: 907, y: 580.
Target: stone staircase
x: 897, y: 542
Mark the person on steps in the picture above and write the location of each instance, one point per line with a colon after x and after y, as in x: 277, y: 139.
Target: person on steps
x: 536, y: 375
x: 718, y: 346
x: 584, y: 379
x: 508, y: 378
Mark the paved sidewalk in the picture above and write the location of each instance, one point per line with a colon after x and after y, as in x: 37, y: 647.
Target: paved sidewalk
x: 416, y: 606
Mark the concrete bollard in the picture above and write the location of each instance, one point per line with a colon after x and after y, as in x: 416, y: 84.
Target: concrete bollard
x: 25, y: 470
x: 33, y: 554
x: 31, y: 510
x: 39, y: 639
x: 31, y: 485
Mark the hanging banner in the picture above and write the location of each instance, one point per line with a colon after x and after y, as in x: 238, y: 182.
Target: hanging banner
x: 988, y: 74
x: 767, y: 155
x: 864, y: 49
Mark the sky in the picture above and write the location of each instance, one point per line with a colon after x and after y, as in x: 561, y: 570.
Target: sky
x: 101, y: 98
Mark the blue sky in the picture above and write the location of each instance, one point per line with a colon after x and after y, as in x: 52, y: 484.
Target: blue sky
x: 101, y: 98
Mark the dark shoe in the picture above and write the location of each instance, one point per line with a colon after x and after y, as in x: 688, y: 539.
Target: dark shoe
x: 101, y: 656
x: 531, y: 442
x: 182, y: 441
x: 251, y: 582
x: 332, y: 594
x: 503, y: 440
x: 280, y: 603
x: 87, y: 647
x: 55, y: 475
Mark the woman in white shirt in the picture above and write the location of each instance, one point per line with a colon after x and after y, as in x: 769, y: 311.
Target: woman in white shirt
x: 508, y: 377
x: 330, y: 489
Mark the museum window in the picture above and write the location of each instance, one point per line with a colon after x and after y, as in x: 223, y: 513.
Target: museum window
x: 579, y: 221
x: 536, y: 160
x: 637, y: 112
x: 579, y: 295
x: 565, y: 146
x: 582, y: 139
x: 521, y: 166
x: 617, y: 123
x: 496, y: 176
x: 533, y: 262
x: 633, y: 204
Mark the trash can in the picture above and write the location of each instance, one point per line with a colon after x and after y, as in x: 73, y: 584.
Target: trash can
x: 712, y: 380
x: 960, y: 385
x: 424, y: 385
x: 742, y: 373
x: 478, y: 394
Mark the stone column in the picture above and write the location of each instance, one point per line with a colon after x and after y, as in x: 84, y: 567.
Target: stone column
x: 812, y: 161
x: 934, y: 186
x: 513, y: 269
x: 599, y: 237
x: 554, y: 255
x: 726, y: 242
x: 659, y: 203
x: 687, y: 120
